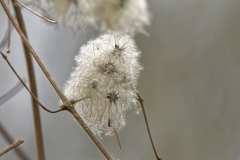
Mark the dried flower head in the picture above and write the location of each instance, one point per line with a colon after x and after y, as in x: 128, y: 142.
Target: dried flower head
x: 115, y: 15
x: 128, y: 15
x: 106, y: 73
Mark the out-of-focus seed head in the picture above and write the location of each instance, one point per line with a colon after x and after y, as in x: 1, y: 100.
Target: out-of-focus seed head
x: 114, y: 15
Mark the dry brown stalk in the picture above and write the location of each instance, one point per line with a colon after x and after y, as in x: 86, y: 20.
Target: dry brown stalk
x: 46, y: 19
x: 32, y: 51
x: 33, y: 87
x: 66, y: 103
x: 12, y: 146
x: 20, y: 153
x: 9, y: 30
x: 146, y: 122
x: 14, y: 71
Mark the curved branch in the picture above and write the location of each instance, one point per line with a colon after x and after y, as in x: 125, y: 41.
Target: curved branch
x: 6, y: 59
x: 146, y: 121
x: 46, y: 19
x: 25, y: 40
x: 12, y: 146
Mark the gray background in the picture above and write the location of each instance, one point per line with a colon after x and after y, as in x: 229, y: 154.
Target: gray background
x: 191, y: 86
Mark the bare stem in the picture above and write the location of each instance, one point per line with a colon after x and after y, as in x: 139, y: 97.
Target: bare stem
x: 9, y: 30
x: 119, y: 143
x: 66, y: 103
x: 55, y: 86
x: 46, y: 19
x: 114, y: 130
x: 12, y: 146
x: 4, y: 40
x: 14, y: 71
x: 21, y: 154
x: 146, y: 121
x: 33, y: 87
x: 89, y: 132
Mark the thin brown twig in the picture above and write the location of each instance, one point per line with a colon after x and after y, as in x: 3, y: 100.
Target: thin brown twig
x: 146, y: 121
x: 70, y: 109
x: 114, y: 130
x: 89, y: 132
x: 9, y: 30
x: 20, y: 153
x: 119, y: 143
x: 33, y: 86
x: 78, y: 100
x: 66, y: 103
x: 4, y: 40
x: 12, y: 146
x: 14, y: 71
x: 25, y: 40
x: 46, y: 19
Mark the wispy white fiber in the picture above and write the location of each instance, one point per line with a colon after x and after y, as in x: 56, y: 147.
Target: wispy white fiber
x: 128, y: 15
x: 114, y: 15
x: 106, y: 73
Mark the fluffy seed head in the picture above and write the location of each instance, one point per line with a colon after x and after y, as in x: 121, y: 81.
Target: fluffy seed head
x: 107, y: 72
x: 115, y: 15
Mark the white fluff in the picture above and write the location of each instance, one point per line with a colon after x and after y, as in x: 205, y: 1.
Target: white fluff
x: 107, y: 72
x: 115, y: 15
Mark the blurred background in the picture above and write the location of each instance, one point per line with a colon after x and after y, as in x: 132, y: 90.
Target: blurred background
x: 190, y: 86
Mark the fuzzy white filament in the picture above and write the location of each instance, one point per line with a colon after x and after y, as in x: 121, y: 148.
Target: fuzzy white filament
x: 106, y: 73
x: 128, y: 15
x: 115, y: 15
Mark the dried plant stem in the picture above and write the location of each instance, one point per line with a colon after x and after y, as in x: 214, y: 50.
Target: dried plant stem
x: 119, y: 143
x: 46, y: 19
x: 14, y: 71
x: 4, y: 41
x: 9, y: 139
x: 146, y: 121
x: 12, y: 146
x: 25, y: 40
x: 68, y: 108
x: 89, y: 132
x: 9, y: 30
x: 33, y: 87
x: 66, y: 103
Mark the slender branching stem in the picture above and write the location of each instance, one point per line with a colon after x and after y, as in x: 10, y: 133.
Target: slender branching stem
x: 33, y: 86
x: 25, y: 40
x: 89, y: 132
x: 78, y: 100
x: 4, y: 40
x: 46, y: 19
x: 8, y: 138
x: 146, y: 121
x: 35, y: 98
x: 9, y: 29
x: 67, y: 105
x: 12, y: 146
x: 119, y: 142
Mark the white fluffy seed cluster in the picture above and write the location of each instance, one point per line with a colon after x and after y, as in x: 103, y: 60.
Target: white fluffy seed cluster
x: 114, y: 15
x: 106, y: 76
x: 128, y: 15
